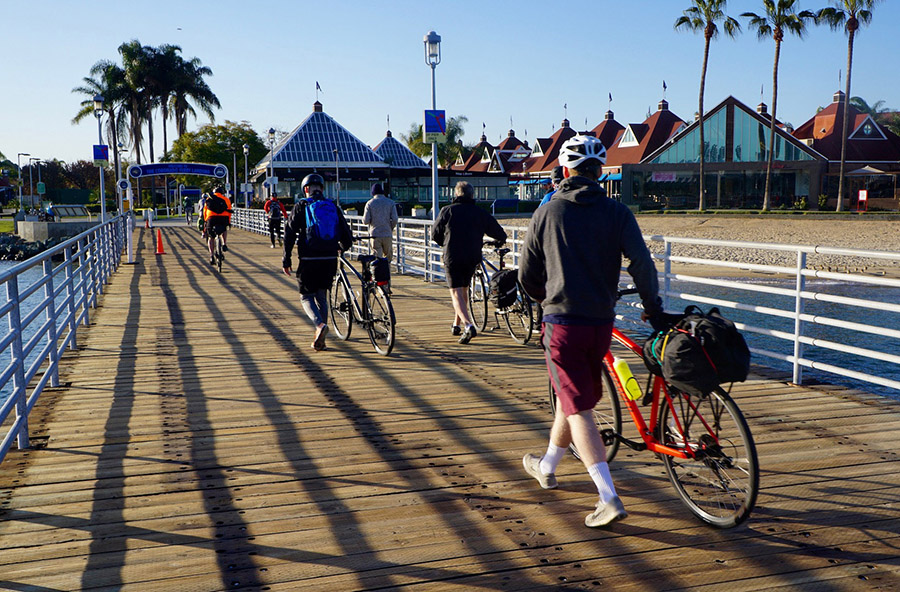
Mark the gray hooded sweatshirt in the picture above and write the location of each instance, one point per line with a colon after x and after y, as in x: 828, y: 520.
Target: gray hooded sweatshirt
x: 573, y: 254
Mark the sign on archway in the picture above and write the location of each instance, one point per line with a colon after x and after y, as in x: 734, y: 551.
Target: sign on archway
x: 219, y: 171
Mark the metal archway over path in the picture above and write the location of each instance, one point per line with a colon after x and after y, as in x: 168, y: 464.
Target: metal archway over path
x: 219, y: 171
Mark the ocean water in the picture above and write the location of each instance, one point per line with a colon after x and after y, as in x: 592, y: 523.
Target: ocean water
x: 874, y: 317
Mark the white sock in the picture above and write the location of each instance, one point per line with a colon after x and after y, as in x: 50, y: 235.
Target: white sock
x: 603, y: 480
x: 551, y: 459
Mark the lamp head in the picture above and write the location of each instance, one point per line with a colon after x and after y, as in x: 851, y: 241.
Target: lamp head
x: 432, y: 48
x: 246, y: 149
x: 271, y: 135
x: 98, y: 105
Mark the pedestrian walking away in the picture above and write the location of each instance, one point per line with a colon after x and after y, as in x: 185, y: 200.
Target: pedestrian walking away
x: 380, y: 214
x: 556, y: 177
x: 570, y: 263
x: 276, y: 213
x: 460, y: 229
x: 319, y: 229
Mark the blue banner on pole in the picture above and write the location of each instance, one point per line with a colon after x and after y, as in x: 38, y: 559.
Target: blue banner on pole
x: 219, y: 171
x: 101, y: 155
x: 435, y: 129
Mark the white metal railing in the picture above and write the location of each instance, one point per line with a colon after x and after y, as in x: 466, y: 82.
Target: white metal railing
x: 416, y: 254
x: 47, y: 297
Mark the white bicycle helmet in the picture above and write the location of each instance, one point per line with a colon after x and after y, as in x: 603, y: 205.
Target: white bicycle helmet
x: 579, y: 149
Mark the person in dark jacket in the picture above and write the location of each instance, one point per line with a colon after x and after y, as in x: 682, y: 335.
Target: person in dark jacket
x: 570, y: 264
x: 460, y: 228
x: 315, y: 267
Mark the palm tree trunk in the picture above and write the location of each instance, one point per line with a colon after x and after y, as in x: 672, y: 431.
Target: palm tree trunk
x: 702, y: 205
x: 846, y: 125
x: 767, y: 196
x: 150, y: 132
x: 164, y: 111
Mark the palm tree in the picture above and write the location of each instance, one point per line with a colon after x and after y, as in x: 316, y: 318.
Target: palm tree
x: 165, y: 65
x: 780, y: 17
x: 189, y: 86
x: 138, y: 102
x: 107, y: 80
x: 847, y: 15
x: 704, y: 15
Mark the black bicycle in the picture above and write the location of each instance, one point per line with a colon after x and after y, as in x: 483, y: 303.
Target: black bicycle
x: 218, y: 253
x: 518, y: 314
x: 373, y: 311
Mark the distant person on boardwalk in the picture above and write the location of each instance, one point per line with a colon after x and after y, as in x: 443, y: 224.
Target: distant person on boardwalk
x: 217, y: 218
x: 201, y: 203
x: 460, y: 228
x: 276, y: 213
x: 556, y: 177
x: 319, y: 229
x: 380, y: 214
x: 570, y: 264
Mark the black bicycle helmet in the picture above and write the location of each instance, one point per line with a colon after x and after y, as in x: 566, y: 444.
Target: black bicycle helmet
x: 312, y: 179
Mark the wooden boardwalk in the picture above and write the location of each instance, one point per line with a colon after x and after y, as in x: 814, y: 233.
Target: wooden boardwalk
x: 198, y: 443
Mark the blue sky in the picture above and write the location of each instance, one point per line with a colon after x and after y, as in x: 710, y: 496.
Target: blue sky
x: 523, y: 60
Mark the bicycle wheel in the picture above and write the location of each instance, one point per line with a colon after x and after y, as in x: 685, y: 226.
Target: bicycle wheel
x: 381, y: 320
x: 520, y: 317
x: 607, y: 414
x: 340, y: 308
x: 720, y: 483
x: 478, y: 301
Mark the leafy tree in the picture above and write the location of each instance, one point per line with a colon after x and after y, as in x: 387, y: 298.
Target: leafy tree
x: 446, y: 152
x: 849, y: 16
x: 704, y: 15
x: 212, y: 144
x: 779, y: 17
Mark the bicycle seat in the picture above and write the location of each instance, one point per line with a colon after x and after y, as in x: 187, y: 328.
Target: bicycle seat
x: 366, y: 258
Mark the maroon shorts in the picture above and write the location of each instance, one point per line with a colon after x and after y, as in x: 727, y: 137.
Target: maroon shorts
x: 574, y: 356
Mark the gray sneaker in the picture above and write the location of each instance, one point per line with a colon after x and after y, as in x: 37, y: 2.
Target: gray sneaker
x: 532, y: 464
x: 606, y: 513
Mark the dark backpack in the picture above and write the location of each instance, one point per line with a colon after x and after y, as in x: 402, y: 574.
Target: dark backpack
x: 322, y: 220
x: 216, y: 204
x: 503, y: 288
x: 700, y: 352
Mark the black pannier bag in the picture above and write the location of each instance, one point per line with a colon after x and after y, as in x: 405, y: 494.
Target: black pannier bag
x: 381, y: 270
x: 503, y: 289
x: 700, y: 352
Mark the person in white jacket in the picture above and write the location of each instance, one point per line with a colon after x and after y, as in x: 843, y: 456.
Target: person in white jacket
x: 380, y: 214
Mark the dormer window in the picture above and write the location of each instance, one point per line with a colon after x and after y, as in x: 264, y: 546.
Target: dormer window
x: 628, y: 139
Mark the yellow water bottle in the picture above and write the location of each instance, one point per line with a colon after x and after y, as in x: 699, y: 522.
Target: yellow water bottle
x: 629, y: 382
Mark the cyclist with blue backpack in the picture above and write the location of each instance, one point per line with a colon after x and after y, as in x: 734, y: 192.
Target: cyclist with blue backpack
x: 318, y: 227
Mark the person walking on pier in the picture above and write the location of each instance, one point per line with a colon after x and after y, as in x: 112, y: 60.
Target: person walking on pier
x: 276, y: 213
x: 570, y: 264
x: 460, y: 228
x: 380, y: 214
x: 319, y: 229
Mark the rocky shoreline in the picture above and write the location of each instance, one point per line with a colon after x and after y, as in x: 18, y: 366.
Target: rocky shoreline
x: 15, y: 248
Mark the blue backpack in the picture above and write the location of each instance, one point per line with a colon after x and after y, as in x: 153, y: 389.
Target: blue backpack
x: 322, y: 220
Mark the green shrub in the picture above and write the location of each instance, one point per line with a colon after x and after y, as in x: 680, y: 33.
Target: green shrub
x: 823, y: 201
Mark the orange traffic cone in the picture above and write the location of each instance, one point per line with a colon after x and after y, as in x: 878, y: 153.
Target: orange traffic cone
x: 159, y: 245
x: 146, y: 223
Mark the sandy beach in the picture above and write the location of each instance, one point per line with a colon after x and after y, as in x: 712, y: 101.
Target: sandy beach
x: 855, y: 233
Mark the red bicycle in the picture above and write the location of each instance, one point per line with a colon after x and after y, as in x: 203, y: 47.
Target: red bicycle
x: 704, y: 441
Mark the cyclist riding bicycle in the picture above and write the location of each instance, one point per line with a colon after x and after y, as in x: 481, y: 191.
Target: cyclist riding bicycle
x: 570, y: 264
x: 216, y: 215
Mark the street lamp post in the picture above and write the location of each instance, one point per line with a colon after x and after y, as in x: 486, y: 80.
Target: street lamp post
x: 337, y: 179
x: 246, y: 195
x: 433, y: 58
x: 19, y: 167
x: 31, y: 180
x: 121, y: 145
x: 98, y: 113
x: 271, y: 159
x: 39, y: 163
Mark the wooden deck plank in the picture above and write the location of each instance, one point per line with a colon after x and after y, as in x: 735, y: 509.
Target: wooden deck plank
x: 198, y: 430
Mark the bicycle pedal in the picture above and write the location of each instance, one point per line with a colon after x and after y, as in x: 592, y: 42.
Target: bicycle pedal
x: 609, y: 436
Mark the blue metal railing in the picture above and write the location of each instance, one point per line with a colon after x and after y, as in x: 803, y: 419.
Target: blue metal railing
x: 47, y: 297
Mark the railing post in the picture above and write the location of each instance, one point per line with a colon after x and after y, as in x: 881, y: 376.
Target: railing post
x: 70, y: 294
x: 52, y: 336
x: 129, y: 238
x: 667, y: 273
x: 84, y: 276
x: 798, y: 324
x: 20, y: 392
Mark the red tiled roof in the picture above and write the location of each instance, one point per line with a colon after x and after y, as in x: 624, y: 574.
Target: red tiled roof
x: 824, y: 131
x: 650, y: 135
x: 551, y: 152
x: 511, y: 142
x: 608, y: 130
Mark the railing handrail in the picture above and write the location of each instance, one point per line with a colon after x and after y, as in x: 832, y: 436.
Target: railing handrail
x: 416, y: 254
x: 37, y: 338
